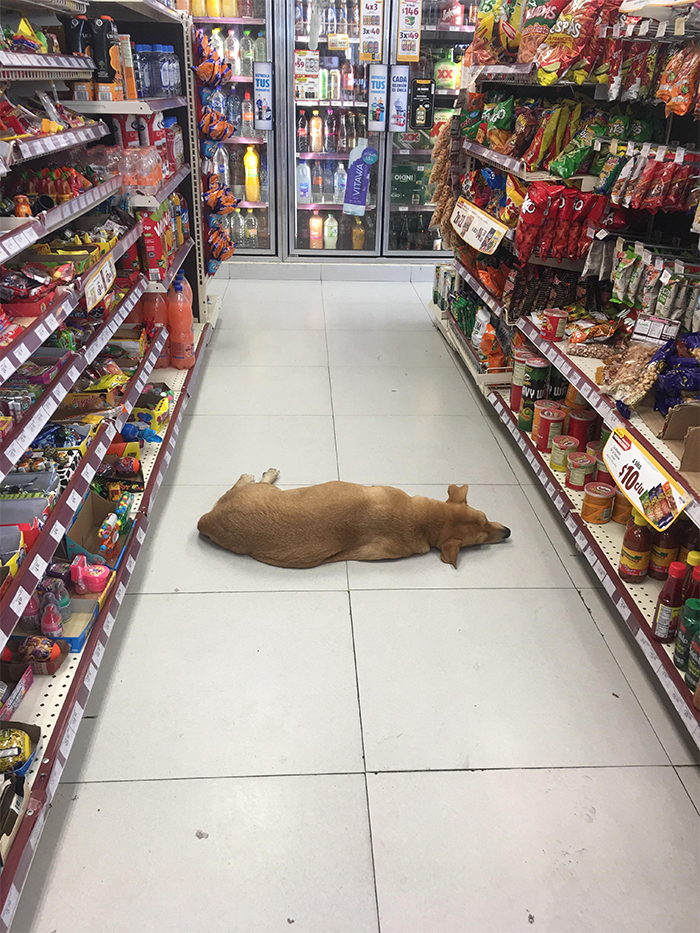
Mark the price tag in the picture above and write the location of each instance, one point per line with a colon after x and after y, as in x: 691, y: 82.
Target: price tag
x: 88, y: 472
x: 109, y: 624
x: 140, y: 535
x: 90, y: 675
x: 36, y: 833
x: 67, y: 743
x: 74, y: 499
x: 53, y: 780
x: 73, y: 373
x: 119, y: 595
x: 646, y: 257
x: 644, y: 27
x: 57, y: 531
x: 661, y: 29
x: 646, y: 149
x: 22, y: 353
x: 38, y: 566
x: 630, y: 149
x: 644, y: 482
x: 6, y: 368
x: 679, y: 156
x: 679, y: 27
x: 660, y: 153
x: 665, y: 276
x: 42, y: 332
x: 21, y: 598
x: 98, y: 654
x: 679, y: 267
x: 613, y: 147
x: 8, y: 910
x: 629, y: 30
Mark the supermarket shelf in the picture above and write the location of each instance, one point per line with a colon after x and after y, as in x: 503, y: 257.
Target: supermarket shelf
x: 516, y: 167
x: 152, y: 201
x: 334, y: 156
x: 447, y: 326
x: 146, y: 9
x: 14, y: 241
x: 144, y: 106
x: 580, y: 371
x: 178, y: 259
x: 25, y: 66
x: 342, y: 104
x: 445, y: 29
x: 76, y: 677
x: 22, y: 434
x: 55, y: 6
x: 33, y: 337
x: 240, y: 79
x: 447, y: 92
x: 246, y: 141
x: 412, y: 208
x: 22, y: 150
x: 477, y: 287
x: 254, y: 204
x: 321, y: 206
x: 235, y: 20
x: 412, y: 152
x: 490, y: 72
x: 601, y: 545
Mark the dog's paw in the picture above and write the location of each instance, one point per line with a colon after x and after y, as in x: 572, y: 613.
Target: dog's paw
x: 271, y: 475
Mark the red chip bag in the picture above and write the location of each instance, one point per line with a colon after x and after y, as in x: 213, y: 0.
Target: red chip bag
x: 583, y: 202
x: 536, y: 24
x: 637, y: 190
x: 533, y: 214
x: 592, y: 222
x: 571, y: 34
x: 560, y: 242
x: 676, y: 195
x: 657, y: 191
x: 550, y: 226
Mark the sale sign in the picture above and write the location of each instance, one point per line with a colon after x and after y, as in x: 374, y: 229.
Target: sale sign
x: 644, y: 482
x: 408, y: 37
x: 371, y: 30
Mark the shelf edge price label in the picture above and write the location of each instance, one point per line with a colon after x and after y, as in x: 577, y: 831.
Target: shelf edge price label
x: 646, y: 484
x: 408, y: 35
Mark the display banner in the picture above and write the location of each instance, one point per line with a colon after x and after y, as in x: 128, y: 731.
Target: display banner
x: 398, y: 99
x: 262, y: 95
x: 422, y: 107
x: 408, y: 34
x: 361, y: 159
x: 378, y: 77
x: 371, y: 30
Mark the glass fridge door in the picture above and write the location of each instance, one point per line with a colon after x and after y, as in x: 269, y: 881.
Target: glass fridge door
x: 245, y: 162
x: 327, y: 87
x: 447, y: 29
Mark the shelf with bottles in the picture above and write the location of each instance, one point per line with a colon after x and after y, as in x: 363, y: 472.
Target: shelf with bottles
x: 172, y: 270
x: 248, y: 226
x: 343, y: 104
x: 229, y: 20
x: 335, y: 156
x: 327, y: 206
x: 240, y: 49
x: 246, y: 141
x: 166, y: 188
x: 323, y: 40
x: 145, y: 105
x: 331, y: 133
x: 347, y: 233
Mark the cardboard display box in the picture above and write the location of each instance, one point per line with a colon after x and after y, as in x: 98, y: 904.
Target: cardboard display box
x: 81, y: 537
x: 680, y: 431
x: 9, y: 707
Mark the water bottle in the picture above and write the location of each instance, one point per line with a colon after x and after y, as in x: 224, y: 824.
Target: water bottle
x: 247, y: 53
x: 251, y: 230
x: 217, y: 101
x: 142, y: 71
x: 260, y: 47
x: 233, y: 109
x: 156, y: 58
x: 220, y: 166
x: 175, y: 82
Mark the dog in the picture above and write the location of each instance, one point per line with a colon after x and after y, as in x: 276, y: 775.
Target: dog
x: 342, y: 521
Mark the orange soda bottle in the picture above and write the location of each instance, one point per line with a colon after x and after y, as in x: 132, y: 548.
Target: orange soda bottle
x: 180, y: 325
x: 155, y: 309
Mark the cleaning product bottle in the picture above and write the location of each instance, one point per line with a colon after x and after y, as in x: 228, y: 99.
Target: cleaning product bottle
x: 155, y: 310
x: 180, y: 325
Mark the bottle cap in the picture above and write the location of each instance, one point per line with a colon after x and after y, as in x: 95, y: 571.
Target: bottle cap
x: 693, y: 558
x: 676, y: 570
x: 639, y: 518
x: 691, y: 608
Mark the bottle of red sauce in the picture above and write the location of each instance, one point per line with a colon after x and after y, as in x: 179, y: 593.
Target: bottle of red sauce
x: 668, y: 609
x: 636, y: 548
x: 664, y: 550
x: 691, y: 584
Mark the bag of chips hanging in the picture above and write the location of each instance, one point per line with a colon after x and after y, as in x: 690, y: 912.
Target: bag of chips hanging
x: 669, y: 74
x: 549, y: 227
x: 516, y: 192
x: 608, y: 174
x: 570, y: 35
x: 523, y: 132
x: 533, y: 214
x: 494, y: 34
x: 676, y: 195
x: 560, y: 241
x: 555, y: 146
x: 685, y: 86
x: 500, y: 120
x: 633, y: 80
x: 591, y: 223
x: 542, y: 139
x: 537, y: 22
x: 623, y: 180
x: 655, y: 195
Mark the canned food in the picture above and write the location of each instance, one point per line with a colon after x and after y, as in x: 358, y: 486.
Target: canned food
x: 562, y: 446
x: 580, y: 425
x: 557, y: 386
x: 534, y: 388
x: 622, y: 508
x: 598, y: 499
x: 595, y: 448
x: 602, y: 474
x: 579, y: 470
x: 574, y: 399
x: 520, y: 358
x: 551, y: 420
x: 554, y: 327
x: 541, y: 405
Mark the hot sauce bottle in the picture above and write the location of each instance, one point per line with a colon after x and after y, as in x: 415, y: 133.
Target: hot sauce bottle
x: 636, y: 549
x: 668, y: 608
x: 664, y: 550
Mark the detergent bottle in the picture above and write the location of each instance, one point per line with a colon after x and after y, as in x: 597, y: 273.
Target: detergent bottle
x: 180, y: 325
x: 155, y: 310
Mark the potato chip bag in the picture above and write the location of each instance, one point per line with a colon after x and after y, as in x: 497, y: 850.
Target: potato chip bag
x: 608, y: 174
x: 573, y: 31
x: 543, y: 137
x: 669, y: 74
x: 633, y: 80
x: 660, y: 185
x: 525, y: 128
x: 492, y: 21
x: 685, y: 85
x: 516, y: 192
x: 556, y: 144
x: 499, y: 124
x: 537, y: 22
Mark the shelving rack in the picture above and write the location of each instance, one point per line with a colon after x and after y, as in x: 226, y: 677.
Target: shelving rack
x: 75, y: 678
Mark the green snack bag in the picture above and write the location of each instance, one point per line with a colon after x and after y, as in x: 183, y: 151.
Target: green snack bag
x: 641, y: 129
x: 608, y: 174
x: 500, y: 122
x: 619, y: 126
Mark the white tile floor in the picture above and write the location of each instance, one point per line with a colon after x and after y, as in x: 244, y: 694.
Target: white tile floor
x: 381, y: 746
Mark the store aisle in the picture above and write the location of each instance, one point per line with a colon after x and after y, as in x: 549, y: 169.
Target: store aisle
x: 389, y: 746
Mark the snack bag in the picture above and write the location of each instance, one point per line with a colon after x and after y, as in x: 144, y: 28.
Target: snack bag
x: 555, y: 146
x: 537, y: 22
x: 685, y: 86
x: 633, y: 80
x: 549, y: 227
x: 499, y: 123
x: 532, y: 216
x: 637, y: 192
x: 608, y: 174
x: 676, y: 195
x: 493, y: 33
x: 571, y: 34
x: 583, y: 203
x: 491, y: 350
x: 592, y: 223
x: 480, y: 137
x: 660, y: 185
x: 523, y: 132
x: 516, y: 192
x: 623, y: 180
x: 669, y: 74
x: 542, y: 139
x: 560, y: 241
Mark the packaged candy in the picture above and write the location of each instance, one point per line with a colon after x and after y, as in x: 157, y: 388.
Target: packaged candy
x: 537, y: 22
x: 15, y: 748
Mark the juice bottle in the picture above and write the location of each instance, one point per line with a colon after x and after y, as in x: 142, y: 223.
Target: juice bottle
x: 688, y: 628
x: 199, y: 8
x: 214, y: 8
x: 316, y: 231
x: 180, y: 326
x: 186, y: 287
x: 668, y: 608
x: 230, y: 8
x: 358, y: 234
x: 252, y: 178
x: 330, y: 232
x: 636, y: 550
x: 315, y: 133
x: 664, y: 550
x: 135, y: 316
x: 692, y: 561
x: 155, y: 309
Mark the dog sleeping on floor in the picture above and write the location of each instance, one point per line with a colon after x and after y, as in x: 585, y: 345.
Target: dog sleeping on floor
x: 342, y: 521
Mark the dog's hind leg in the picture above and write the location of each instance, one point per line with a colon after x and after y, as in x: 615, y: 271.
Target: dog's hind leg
x: 245, y: 479
x: 270, y: 476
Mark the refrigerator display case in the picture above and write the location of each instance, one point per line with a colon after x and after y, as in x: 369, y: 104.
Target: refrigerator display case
x: 327, y: 83
x: 246, y: 161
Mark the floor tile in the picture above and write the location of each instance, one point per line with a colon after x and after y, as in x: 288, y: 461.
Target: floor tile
x: 393, y: 306
x: 218, y: 448
x: 387, y: 348
x: 195, y: 565
x: 262, y: 390
x: 389, y: 390
x: 491, y: 679
x: 272, y: 675
x: 526, y: 560
x: 246, y: 346
x: 278, y: 854
x: 272, y: 305
x: 690, y: 776
x: 511, y: 451
x: 664, y: 720
x: 560, y: 851
x: 424, y: 290
x: 398, y: 449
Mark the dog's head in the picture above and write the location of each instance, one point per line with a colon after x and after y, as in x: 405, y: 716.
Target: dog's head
x: 469, y: 527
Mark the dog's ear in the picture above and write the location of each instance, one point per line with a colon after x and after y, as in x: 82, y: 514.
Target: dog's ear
x: 449, y: 552
x: 457, y: 493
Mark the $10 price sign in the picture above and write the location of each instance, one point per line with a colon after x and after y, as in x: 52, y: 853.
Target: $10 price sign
x: 645, y: 483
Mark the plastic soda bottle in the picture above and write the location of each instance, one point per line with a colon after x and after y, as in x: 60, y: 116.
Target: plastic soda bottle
x: 155, y: 310
x: 316, y: 231
x: 252, y: 177
x: 180, y: 325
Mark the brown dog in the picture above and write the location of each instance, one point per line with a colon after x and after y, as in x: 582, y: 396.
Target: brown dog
x: 342, y: 521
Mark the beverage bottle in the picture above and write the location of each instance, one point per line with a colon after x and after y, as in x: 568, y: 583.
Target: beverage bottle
x: 339, y: 182
x: 185, y: 216
x: 669, y: 605
x: 214, y: 8
x: 247, y: 117
x: 329, y: 132
x: 220, y: 166
x: 180, y: 326
x: 186, y: 287
x: 245, y: 7
x: 176, y: 80
x: 237, y: 227
x: 342, y: 144
x: 358, y: 234
x: 232, y: 51
x: 316, y: 132
x: 369, y: 231
x: 217, y: 101
x: 322, y: 82
x: 199, y: 8
x: 262, y: 171
x: 347, y: 82
x: 328, y: 186
x: 302, y: 132
x: 299, y: 18
x: 352, y: 132
x: 330, y: 232
x: 316, y: 231
x: 688, y: 628
x: 230, y: 8
x: 260, y: 47
x: 636, y: 550
x: 154, y: 53
x: 331, y: 18
x: 355, y: 18
x: 690, y: 540
x: 303, y: 183
x: 664, y: 550
x: 135, y: 316
x: 317, y: 182
x: 217, y: 42
x: 692, y: 561
x: 334, y: 81
x: 263, y: 229
x: 247, y: 53
x: 342, y: 15
x: 233, y: 109
x: 142, y: 71
x: 237, y: 174
x: 252, y: 178
x: 155, y: 310
x: 251, y: 230
x: 361, y: 123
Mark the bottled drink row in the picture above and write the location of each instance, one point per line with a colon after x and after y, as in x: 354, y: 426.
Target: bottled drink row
x: 346, y: 82
x: 237, y: 108
x: 240, y: 50
x: 329, y: 133
x: 156, y: 71
x: 225, y: 8
x: 317, y: 184
x: 248, y: 228
x: 346, y: 233
x: 328, y: 16
x: 245, y: 174
x: 411, y: 232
